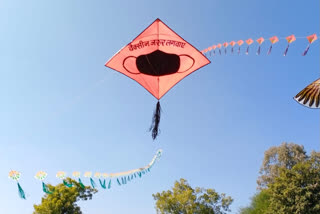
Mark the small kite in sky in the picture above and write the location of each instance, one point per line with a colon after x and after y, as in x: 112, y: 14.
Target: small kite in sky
x: 219, y: 46
x: 157, y: 59
x: 240, y: 42
x: 273, y: 40
x: 214, y: 49
x: 89, y: 175
x: 225, y: 45
x: 209, y: 49
x: 311, y: 39
x: 289, y: 39
x: 76, y: 174
x: 62, y: 175
x: 15, y: 175
x: 98, y: 175
x: 41, y: 175
x: 232, y: 43
x: 260, y: 41
x: 249, y: 42
x: 310, y: 95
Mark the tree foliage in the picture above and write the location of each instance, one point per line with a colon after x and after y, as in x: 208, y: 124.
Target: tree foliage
x: 63, y: 199
x: 289, y: 182
x: 296, y: 190
x: 279, y: 157
x: 183, y: 199
x: 259, y: 203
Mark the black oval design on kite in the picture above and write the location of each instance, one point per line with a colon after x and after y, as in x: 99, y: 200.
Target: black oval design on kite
x: 158, y: 63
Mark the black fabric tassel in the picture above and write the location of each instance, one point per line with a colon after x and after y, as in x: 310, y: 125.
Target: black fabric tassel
x: 156, y: 121
x: 306, y: 50
x: 269, y: 51
x: 258, y: 52
x: 286, y: 51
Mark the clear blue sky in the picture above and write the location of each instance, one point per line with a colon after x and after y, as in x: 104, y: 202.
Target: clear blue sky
x: 61, y: 109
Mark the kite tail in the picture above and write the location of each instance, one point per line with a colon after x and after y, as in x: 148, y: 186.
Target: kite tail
x: 109, y: 185
x: 247, y: 52
x: 232, y: 50
x: 139, y: 173
x: 286, y: 51
x: 306, y: 50
x: 103, y: 185
x: 21, y: 192
x: 66, y: 183
x: 93, y: 184
x: 225, y: 51
x: 239, y: 50
x: 219, y: 51
x: 258, y: 52
x: 214, y: 52
x: 156, y: 121
x: 269, y: 51
x: 81, y: 184
x: 46, y: 189
x: 118, y: 182
x: 124, y: 180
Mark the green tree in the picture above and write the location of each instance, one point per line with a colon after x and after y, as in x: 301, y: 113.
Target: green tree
x: 297, y: 190
x: 278, y: 157
x: 259, y: 204
x: 183, y: 199
x: 63, y: 199
x: 289, y: 182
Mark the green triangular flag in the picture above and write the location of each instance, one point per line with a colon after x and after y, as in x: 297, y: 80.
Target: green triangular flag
x: 21, y: 192
x: 46, y: 189
x: 67, y: 184
x: 81, y: 184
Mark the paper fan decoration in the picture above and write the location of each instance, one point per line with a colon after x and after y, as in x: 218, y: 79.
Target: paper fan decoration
x: 310, y: 95
x: 273, y: 40
x: 41, y: 175
x: 15, y: 175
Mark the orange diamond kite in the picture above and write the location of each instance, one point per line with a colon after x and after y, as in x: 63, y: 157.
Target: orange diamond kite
x: 157, y: 59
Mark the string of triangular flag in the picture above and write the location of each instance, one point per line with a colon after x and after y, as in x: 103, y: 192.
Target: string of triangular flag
x: 212, y: 49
